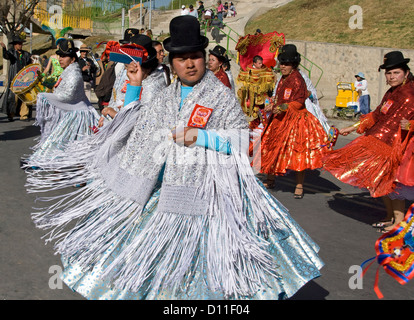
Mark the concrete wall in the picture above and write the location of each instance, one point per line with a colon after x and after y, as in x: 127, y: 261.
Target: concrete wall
x: 342, y: 62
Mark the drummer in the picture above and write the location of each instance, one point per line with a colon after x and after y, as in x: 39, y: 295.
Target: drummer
x: 19, y: 58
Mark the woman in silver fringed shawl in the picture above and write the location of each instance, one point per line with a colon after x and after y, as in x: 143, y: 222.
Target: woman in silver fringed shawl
x: 151, y: 79
x: 64, y: 115
x: 172, y: 209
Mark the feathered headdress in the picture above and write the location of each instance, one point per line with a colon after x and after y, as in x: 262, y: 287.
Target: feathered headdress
x: 56, y: 33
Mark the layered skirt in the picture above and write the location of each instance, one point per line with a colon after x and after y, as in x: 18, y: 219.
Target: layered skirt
x: 199, y: 243
x: 295, y: 143
x: 59, y: 127
x: 369, y: 163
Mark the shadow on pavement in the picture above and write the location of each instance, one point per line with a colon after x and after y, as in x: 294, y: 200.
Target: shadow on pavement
x: 314, y: 183
x: 28, y: 131
x: 311, y: 291
x: 358, y: 206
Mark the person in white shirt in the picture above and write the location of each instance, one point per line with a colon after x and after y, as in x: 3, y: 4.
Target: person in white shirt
x: 193, y: 12
x: 184, y: 11
x: 364, y: 99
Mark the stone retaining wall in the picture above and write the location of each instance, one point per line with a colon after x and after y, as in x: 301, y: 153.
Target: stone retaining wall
x: 340, y: 63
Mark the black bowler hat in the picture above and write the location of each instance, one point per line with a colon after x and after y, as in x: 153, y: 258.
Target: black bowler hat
x: 128, y: 34
x: 146, y: 42
x: 185, y: 35
x: 288, y: 54
x: 219, y: 52
x: 66, y: 48
x: 393, y: 59
x: 17, y: 39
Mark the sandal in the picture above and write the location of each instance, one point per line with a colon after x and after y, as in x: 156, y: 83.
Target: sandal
x: 383, y: 223
x: 386, y: 229
x: 298, y: 195
x: 383, y: 230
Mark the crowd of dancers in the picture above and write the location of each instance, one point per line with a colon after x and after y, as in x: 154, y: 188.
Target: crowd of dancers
x: 162, y: 185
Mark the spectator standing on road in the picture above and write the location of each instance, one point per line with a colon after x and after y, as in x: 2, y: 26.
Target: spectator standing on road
x: 88, y: 69
x: 19, y: 59
x: 361, y: 86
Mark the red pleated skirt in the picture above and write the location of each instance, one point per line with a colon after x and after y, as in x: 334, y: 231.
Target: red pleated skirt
x: 293, y: 143
x: 366, y: 163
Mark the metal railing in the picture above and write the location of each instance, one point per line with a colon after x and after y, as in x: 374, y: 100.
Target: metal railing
x: 230, y: 35
x: 309, y: 69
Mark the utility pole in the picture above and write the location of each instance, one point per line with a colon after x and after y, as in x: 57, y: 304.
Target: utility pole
x: 150, y: 17
x: 123, y: 20
x: 31, y: 37
x: 140, y: 14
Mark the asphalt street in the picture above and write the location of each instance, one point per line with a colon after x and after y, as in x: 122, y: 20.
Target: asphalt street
x: 337, y: 216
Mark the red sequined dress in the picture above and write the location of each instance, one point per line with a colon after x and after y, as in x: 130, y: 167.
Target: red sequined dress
x: 380, y: 159
x: 222, y: 76
x: 291, y: 140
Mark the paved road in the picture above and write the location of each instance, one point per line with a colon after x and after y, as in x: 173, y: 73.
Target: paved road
x: 335, y: 215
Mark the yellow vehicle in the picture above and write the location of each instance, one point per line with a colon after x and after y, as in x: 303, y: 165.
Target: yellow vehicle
x: 347, y: 97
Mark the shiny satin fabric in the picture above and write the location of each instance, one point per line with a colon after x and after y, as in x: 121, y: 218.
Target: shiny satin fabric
x: 295, y: 256
x: 397, y: 104
x: 405, y: 174
x: 374, y: 160
x: 222, y: 76
x: 292, y: 140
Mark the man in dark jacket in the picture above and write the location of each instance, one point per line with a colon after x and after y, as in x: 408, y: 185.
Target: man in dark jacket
x: 10, y: 103
x: 88, y: 69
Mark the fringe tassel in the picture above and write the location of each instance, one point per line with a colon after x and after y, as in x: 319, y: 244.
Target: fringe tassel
x: 72, y: 165
x: 103, y: 220
x: 168, y: 250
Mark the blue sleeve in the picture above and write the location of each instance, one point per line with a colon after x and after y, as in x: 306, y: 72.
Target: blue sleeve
x: 133, y: 93
x: 211, y: 140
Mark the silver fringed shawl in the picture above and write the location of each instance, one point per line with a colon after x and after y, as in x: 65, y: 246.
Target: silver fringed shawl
x: 203, y: 191
x: 139, y: 162
x: 69, y: 95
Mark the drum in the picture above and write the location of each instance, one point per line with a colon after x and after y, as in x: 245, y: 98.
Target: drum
x: 27, y: 84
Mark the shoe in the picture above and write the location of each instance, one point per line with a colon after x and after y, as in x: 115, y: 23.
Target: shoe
x: 269, y: 183
x: 298, y: 195
x: 383, y: 230
x: 386, y: 229
x: 383, y: 223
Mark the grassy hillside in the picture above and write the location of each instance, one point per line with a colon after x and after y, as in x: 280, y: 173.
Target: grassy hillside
x: 386, y: 23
